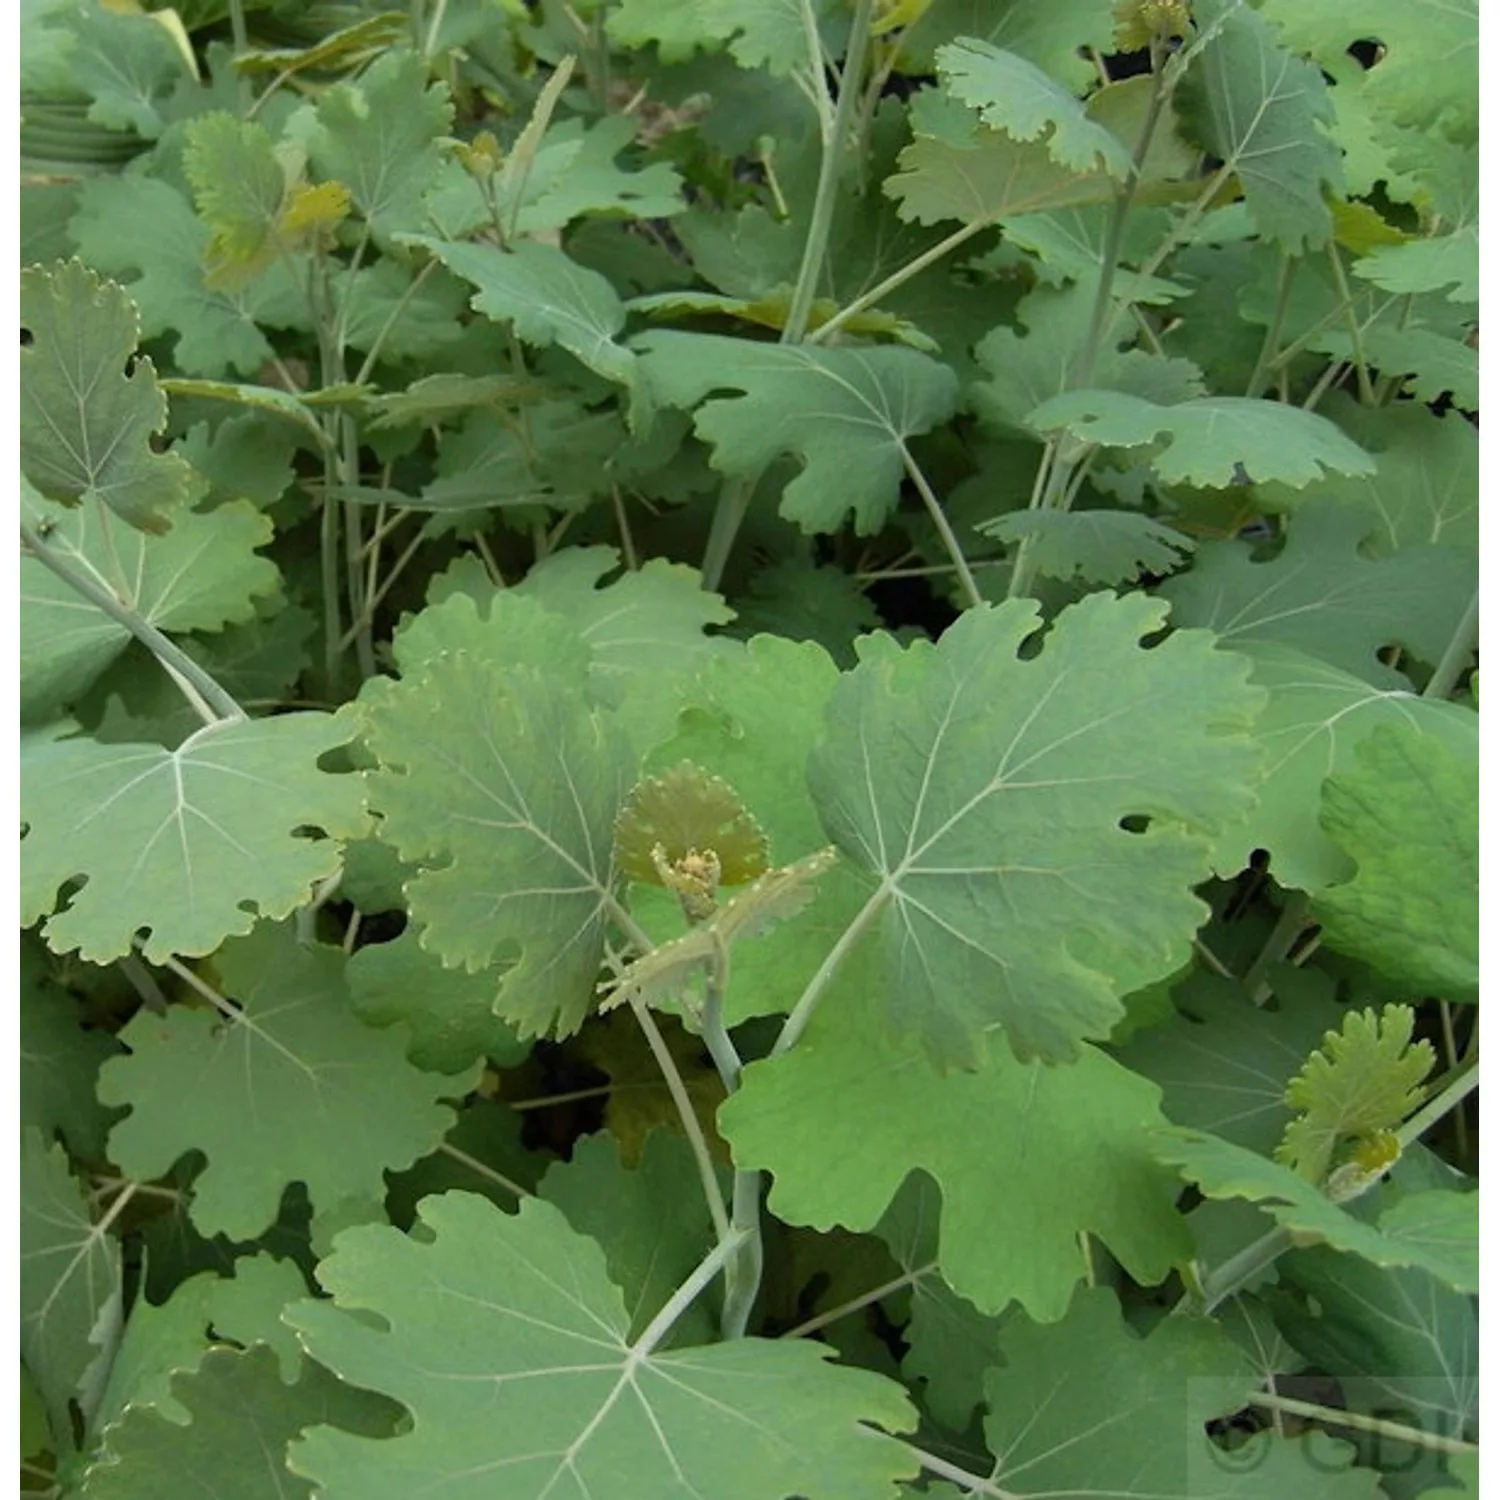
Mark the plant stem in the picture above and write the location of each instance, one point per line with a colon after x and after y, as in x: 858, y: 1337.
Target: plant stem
x: 1449, y: 1098
x: 729, y: 515
x: 708, y: 1174
x: 1455, y: 659
x: 898, y: 278
x: 481, y: 1169
x: 817, y: 72
x: 167, y: 652
x: 865, y: 1299
x: 1334, y: 1416
x: 684, y: 1297
x: 802, y: 1012
x: 742, y: 1271
x: 1289, y: 927
x: 815, y: 247
x: 1285, y: 273
x: 970, y: 1484
x: 1224, y: 1281
x: 1361, y: 368
x: 966, y: 582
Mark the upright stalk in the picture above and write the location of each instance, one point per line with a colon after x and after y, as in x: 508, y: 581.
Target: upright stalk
x: 1456, y: 658
x: 815, y: 247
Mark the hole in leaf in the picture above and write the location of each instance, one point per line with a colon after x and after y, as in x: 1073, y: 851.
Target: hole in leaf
x: 1135, y: 823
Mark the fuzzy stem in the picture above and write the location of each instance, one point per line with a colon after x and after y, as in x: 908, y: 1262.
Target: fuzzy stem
x: 969, y: 1484
x: 1455, y: 659
x: 1333, y: 1416
x: 166, y: 651
x: 481, y: 1169
x: 1289, y: 927
x: 865, y: 1299
x: 972, y: 595
x: 1285, y: 274
x: 802, y: 1012
x: 685, y: 1295
x: 830, y: 170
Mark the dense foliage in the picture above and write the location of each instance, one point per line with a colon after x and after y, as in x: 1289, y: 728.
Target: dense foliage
x: 749, y: 749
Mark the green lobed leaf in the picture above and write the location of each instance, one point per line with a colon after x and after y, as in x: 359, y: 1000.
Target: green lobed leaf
x: 1223, y: 1063
x: 60, y: 1058
x: 127, y: 64
x: 651, y: 1221
x: 449, y: 1014
x: 1098, y: 546
x: 382, y: 137
x: 1022, y: 373
x: 70, y: 1284
x: 1407, y: 813
x: 204, y: 1310
x: 1209, y: 438
x: 846, y: 413
x: 1435, y: 1231
x: 239, y: 186
x: 800, y: 600
x: 1264, y: 113
x: 1056, y: 36
x: 1435, y: 264
x: 878, y: 1112
x: 243, y: 1414
x: 516, y: 786
x: 297, y: 1062
x: 986, y: 798
x: 144, y: 231
x: 1322, y: 595
x: 190, y: 844
x: 1147, y: 1401
x: 203, y: 574
x: 949, y: 1343
x: 759, y: 33
x: 1017, y: 97
x: 955, y: 169
x: 1308, y: 731
x: 1428, y: 72
x: 521, y: 1379
x: 548, y: 299
x: 89, y: 405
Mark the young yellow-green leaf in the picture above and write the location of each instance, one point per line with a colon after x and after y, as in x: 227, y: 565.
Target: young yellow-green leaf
x: 1321, y: 595
x: 88, y: 414
x: 70, y: 1284
x: 242, y: 1416
x: 661, y: 974
x: 549, y: 299
x: 1098, y: 546
x: 382, y: 137
x: 508, y: 1343
x: 1365, y: 1079
x: 1264, y: 113
x: 1209, y: 438
x: 688, y: 810
x: 1308, y: 731
x: 1223, y: 1062
x: 296, y: 1062
x: 846, y: 413
x: 512, y: 780
x: 878, y: 1112
x: 1428, y: 70
x: 956, y: 169
x: 989, y: 799
x: 1407, y: 813
x: 1017, y: 97
x: 191, y: 844
x: 239, y: 186
x: 1436, y: 1231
